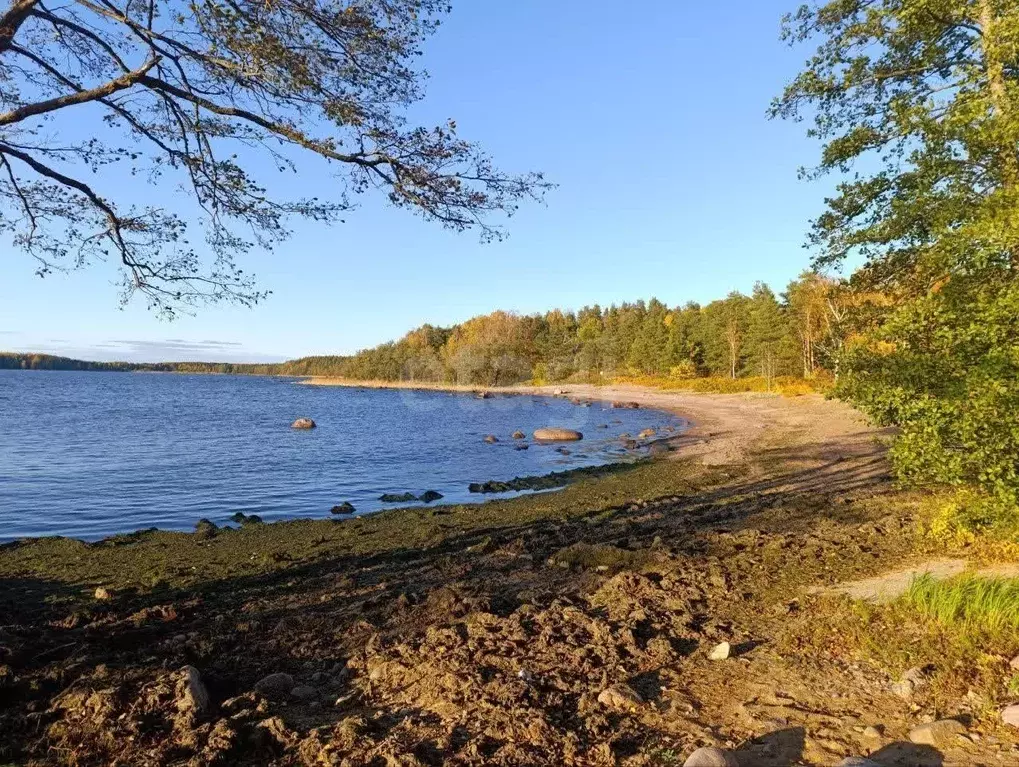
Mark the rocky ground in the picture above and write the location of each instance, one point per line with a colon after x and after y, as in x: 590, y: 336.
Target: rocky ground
x: 627, y: 620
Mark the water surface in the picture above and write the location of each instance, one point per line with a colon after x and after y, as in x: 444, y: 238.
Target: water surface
x: 92, y: 454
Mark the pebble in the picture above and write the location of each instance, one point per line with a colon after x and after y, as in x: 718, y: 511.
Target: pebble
x: 1010, y: 715
x: 872, y: 732
x: 275, y: 684
x: 903, y: 689
x: 936, y: 733
x: 721, y: 651
x: 709, y: 756
x: 304, y: 692
x: 620, y: 696
x: 1014, y: 663
x: 102, y: 594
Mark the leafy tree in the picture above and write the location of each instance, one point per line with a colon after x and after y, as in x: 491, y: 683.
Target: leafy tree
x: 807, y: 301
x: 922, y: 99
x: 99, y: 94
x: 726, y: 323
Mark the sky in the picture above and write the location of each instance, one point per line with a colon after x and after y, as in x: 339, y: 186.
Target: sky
x: 672, y: 183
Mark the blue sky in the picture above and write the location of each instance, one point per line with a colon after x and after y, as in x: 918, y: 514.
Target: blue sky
x: 672, y: 183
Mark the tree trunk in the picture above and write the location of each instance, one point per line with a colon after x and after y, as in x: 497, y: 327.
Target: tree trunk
x: 994, y: 65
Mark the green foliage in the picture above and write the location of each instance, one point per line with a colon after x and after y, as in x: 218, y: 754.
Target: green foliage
x: 985, y: 605
x: 922, y: 99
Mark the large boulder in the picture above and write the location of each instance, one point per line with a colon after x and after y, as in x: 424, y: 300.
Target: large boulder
x: 303, y: 423
x: 555, y: 434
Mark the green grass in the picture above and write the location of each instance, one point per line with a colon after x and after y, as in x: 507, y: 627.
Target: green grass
x: 986, y: 605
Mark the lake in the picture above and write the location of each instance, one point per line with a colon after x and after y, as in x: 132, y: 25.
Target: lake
x: 92, y: 454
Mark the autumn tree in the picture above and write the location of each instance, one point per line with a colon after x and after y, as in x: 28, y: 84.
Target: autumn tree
x: 213, y: 98
x: 921, y: 99
x: 806, y: 298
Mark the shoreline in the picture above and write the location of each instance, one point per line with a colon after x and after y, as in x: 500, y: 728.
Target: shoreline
x: 579, y: 616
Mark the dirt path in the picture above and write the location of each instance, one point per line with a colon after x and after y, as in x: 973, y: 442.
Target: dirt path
x: 569, y: 629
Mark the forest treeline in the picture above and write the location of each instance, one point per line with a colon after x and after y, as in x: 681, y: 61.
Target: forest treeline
x: 762, y: 334
x: 765, y: 335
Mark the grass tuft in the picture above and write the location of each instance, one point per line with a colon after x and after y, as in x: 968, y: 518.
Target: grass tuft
x: 986, y: 605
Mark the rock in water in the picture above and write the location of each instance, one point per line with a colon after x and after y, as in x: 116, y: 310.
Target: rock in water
x: 720, y: 651
x: 555, y: 434
x: 430, y: 495
x: 620, y: 696
x: 939, y: 733
x: 518, y: 434
x: 206, y: 529
x: 303, y: 423
x: 192, y: 697
x: 491, y: 439
x: 709, y: 756
x: 647, y: 434
x: 275, y: 685
x: 344, y: 508
x: 398, y: 498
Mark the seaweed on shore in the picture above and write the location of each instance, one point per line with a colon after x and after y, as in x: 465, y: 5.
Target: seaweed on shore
x: 552, y: 480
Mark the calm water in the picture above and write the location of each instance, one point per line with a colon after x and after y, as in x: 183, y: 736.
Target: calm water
x: 90, y: 454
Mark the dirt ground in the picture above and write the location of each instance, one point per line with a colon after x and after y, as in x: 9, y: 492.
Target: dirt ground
x: 571, y: 629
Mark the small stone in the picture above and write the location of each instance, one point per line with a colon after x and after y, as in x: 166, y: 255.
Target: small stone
x: 304, y: 693
x: 620, y: 696
x: 343, y: 508
x: 904, y: 689
x: 102, y: 594
x: 275, y: 684
x: 519, y: 435
x: 191, y: 693
x: 872, y: 732
x: 916, y: 675
x: 491, y: 439
x: 430, y: 495
x: 937, y: 733
x: 721, y: 651
x: 303, y: 423
x: 857, y: 761
x: 1010, y: 715
x: 320, y: 677
x: 709, y: 756
x: 1014, y: 663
